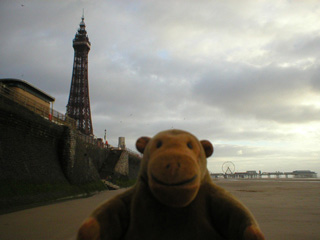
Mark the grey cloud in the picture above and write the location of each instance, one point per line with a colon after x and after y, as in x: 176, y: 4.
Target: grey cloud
x: 270, y: 93
x: 300, y: 47
x: 315, y: 79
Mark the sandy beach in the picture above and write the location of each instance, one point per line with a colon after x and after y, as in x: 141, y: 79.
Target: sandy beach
x: 285, y: 209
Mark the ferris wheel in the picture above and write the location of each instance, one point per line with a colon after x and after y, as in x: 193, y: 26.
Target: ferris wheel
x: 228, y: 168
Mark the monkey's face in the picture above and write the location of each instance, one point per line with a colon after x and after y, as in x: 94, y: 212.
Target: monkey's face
x: 175, y: 164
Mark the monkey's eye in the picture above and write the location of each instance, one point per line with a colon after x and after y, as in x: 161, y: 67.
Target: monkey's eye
x: 189, y: 144
x: 159, y: 144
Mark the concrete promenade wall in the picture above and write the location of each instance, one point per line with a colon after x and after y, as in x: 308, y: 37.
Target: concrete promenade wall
x: 41, y: 161
x: 134, y: 166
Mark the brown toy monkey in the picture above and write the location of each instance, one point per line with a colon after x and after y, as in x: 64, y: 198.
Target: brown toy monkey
x: 174, y: 198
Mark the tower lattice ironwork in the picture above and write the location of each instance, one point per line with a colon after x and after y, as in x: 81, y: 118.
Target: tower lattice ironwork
x: 78, y: 106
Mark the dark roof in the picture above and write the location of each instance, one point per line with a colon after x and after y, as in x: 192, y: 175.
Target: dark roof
x: 12, y: 82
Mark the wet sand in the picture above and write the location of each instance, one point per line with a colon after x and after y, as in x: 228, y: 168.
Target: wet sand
x: 285, y: 209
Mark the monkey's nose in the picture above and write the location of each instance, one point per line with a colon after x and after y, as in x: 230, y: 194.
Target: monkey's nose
x: 172, y: 168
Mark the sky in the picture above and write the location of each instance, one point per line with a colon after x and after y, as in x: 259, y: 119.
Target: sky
x: 242, y: 74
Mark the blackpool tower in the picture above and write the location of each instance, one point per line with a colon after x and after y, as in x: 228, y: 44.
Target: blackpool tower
x: 78, y: 106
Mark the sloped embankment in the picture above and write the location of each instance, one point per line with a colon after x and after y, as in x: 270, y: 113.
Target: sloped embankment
x: 41, y: 161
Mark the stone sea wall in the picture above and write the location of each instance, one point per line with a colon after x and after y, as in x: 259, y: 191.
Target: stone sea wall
x: 41, y: 161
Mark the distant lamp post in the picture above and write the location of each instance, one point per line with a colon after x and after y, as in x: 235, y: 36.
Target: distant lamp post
x: 105, y: 138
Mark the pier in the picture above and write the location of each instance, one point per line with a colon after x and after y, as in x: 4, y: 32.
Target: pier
x: 277, y: 174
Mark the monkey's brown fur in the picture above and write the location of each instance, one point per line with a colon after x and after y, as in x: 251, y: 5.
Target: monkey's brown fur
x: 174, y: 198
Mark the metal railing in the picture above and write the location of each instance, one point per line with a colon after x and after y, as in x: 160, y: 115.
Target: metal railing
x: 41, y: 109
x: 51, y: 115
x: 88, y: 139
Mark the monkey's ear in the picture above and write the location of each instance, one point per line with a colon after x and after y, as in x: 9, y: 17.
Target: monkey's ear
x: 142, y: 143
x: 207, y: 146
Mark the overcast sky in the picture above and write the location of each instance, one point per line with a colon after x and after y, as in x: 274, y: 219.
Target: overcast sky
x: 242, y: 74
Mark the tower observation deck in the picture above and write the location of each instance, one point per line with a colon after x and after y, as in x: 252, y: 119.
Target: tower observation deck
x: 78, y: 106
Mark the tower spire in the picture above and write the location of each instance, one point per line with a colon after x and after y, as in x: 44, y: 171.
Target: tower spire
x: 82, y: 14
x: 78, y: 106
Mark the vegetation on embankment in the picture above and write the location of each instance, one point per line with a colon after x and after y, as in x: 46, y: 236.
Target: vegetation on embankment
x: 124, y: 182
